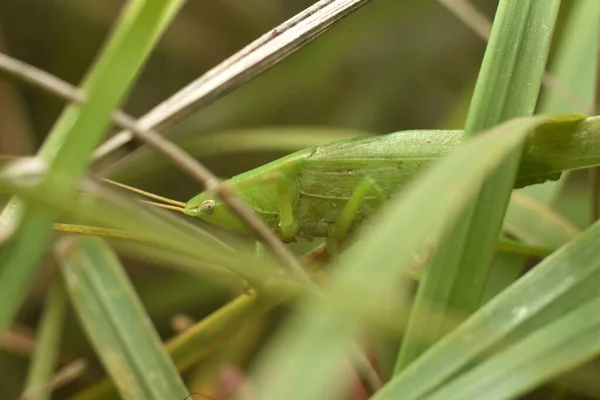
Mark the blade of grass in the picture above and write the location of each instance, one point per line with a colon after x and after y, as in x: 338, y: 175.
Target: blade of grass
x: 507, y: 87
x: 116, y: 322
x: 47, y: 344
x: 563, y: 281
x: 558, y: 347
x: 573, y: 59
x: 572, y: 64
x: 265, y: 52
x: 78, y: 130
x: 307, y: 361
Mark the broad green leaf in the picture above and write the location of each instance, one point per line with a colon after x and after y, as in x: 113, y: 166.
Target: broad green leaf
x: 116, y: 323
x: 507, y: 87
x: 309, y: 359
x: 79, y: 129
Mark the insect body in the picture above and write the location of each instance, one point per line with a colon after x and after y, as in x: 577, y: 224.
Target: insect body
x: 325, y: 191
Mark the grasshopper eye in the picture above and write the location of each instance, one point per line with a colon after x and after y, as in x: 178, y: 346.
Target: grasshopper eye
x: 207, y: 207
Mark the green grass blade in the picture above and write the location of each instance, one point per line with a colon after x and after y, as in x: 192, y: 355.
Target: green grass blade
x: 507, y: 87
x: 572, y: 64
x: 47, y: 344
x: 308, y: 361
x: 116, y: 322
x: 79, y: 129
x: 558, y: 347
x: 565, y: 280
x: 573, y: 59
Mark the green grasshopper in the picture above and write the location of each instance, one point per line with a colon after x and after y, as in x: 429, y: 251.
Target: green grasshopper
x: 326, y: 191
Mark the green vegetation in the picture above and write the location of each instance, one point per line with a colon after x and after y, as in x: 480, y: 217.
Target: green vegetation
x: 460, y: 287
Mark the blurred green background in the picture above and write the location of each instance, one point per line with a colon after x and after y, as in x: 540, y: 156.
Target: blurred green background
x: 390, y: 66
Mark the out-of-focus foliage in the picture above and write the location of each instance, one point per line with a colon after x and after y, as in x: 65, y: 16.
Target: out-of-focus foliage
x: 390, y: 66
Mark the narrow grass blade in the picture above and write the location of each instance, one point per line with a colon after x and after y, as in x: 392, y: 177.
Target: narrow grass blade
x: 573, y: 59
x: 567, y: 279
x: 116, y: 323
x: 47, y: 343
x: 308, y: 361
x: 79, y: 129
x: 572, y: 66
x: 564, y: 344
x: 507, y: 87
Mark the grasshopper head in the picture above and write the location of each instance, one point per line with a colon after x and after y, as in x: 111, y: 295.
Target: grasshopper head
x: 213, y: 210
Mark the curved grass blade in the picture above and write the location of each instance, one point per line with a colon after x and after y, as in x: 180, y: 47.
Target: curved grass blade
x: 79, y: 129
x: 308, y: 360
x: 116, y: 323
x: 556, y: 348
x: 507, y: 87
x: 47, y: 344
x: 565, y: 280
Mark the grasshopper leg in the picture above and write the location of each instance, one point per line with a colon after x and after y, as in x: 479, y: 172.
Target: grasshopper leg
x: 288, y: 196
x: 349, y: 212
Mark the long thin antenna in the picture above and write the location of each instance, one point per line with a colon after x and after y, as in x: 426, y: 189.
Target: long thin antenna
x: 178, y: 204
x: 166, y: 206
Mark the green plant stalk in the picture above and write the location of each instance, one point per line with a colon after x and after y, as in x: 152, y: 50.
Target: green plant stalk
x: 508, y: 86
x: 79, y: 129
x: 47, y: 343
